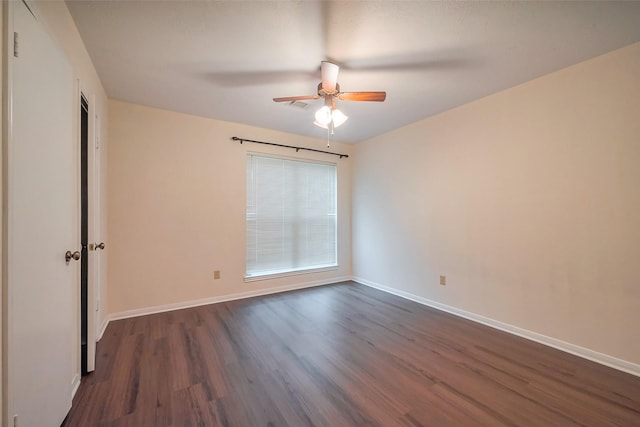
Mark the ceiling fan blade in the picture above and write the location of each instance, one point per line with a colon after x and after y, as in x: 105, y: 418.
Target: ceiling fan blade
x: 363, y: 96
x: 329, y: 73
x: 296, y: 98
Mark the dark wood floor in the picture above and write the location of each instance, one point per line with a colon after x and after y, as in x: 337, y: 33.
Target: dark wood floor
x: 339, y: 355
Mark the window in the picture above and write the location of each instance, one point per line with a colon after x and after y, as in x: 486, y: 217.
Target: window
x: 291, y: 215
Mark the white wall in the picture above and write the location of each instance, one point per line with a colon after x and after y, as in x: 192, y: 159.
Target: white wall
x: 177, y: 201
x: 527, y: 200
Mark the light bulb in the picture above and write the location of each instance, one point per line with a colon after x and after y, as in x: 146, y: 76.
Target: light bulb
x: 323, y: 115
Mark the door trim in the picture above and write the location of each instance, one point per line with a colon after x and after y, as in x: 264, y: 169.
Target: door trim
x: 93, y: 217
x: 7, y: 135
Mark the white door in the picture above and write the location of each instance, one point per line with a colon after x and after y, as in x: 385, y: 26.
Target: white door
x: 42, y: 191
x: 96, y: 249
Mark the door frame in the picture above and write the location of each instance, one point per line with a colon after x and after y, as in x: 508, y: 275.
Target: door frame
x: 93, y: 217
x: 7, y: 94
x: 95, y: 201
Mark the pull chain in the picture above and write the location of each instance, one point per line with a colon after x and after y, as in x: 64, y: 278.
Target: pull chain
x: 329, y: 133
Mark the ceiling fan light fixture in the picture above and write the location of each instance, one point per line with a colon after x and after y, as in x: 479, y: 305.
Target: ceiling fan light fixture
x: 323, y: 115
x: 338, y: 117
x: 320, y: 125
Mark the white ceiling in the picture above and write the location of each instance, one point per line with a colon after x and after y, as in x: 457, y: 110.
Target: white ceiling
x: 228, y: 59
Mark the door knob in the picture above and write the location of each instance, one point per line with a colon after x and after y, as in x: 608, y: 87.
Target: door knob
x: 68, y: 256
x: 96, y: 246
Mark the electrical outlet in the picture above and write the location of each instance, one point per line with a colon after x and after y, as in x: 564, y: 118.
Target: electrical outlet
x: 443, y: 280
x: 216, y: 274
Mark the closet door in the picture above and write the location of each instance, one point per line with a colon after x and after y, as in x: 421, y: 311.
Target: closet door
x: 42, y: 226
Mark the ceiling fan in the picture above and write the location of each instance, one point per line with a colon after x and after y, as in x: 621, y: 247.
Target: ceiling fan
x: 329, y: 116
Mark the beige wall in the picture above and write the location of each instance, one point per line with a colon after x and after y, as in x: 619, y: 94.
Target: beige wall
x: 527, y: 200
x: 177, y: 207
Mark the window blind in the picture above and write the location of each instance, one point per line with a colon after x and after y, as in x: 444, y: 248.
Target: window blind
x: 291, y: 215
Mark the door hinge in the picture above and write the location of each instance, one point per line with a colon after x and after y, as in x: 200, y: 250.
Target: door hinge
x: 15, y: 44
x: 15, y: 421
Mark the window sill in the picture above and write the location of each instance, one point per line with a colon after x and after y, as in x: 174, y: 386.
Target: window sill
x: 276, y: 275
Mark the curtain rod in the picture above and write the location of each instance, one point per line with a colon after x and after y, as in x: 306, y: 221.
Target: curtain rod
x: 235, y: 138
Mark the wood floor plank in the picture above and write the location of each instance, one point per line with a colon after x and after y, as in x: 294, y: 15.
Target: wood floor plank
x: 339, y: 355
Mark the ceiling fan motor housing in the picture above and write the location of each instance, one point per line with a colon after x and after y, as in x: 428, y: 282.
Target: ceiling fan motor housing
x: 323, y: 92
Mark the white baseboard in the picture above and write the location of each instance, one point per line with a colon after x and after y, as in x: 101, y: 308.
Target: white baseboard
x: 103, y: 327
x: 212, y: 300
x: 594, y: 356
x: 75, y: 383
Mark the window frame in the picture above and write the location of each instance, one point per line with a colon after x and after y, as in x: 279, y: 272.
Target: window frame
x: 293, y: 271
